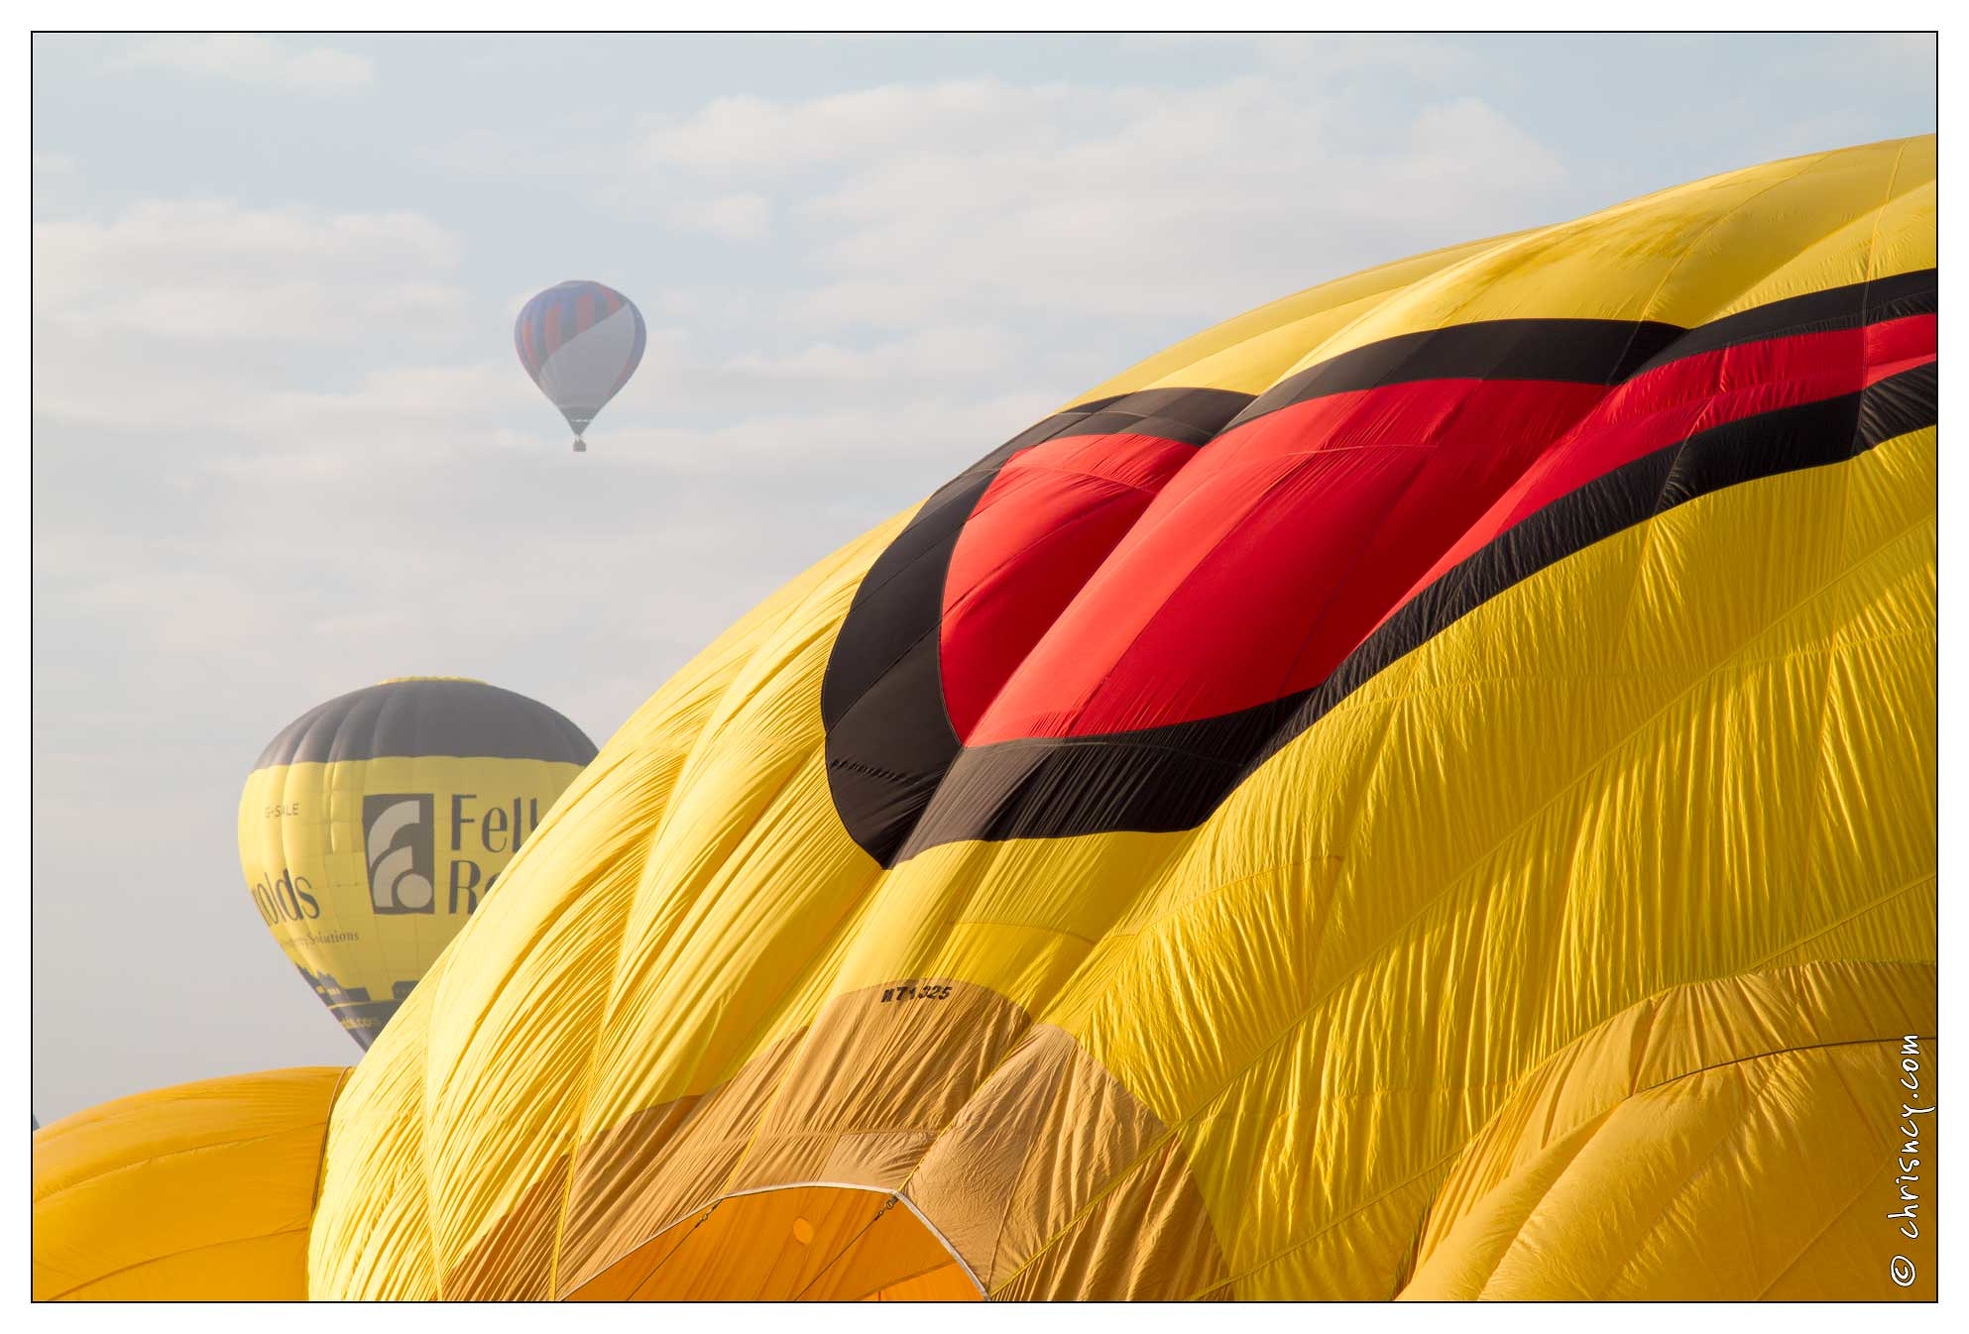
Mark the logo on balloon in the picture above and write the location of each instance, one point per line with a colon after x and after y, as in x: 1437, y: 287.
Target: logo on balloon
x: 399, y: 844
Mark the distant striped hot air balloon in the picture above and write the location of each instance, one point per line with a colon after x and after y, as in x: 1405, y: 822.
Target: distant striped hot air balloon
x: 580, y: 341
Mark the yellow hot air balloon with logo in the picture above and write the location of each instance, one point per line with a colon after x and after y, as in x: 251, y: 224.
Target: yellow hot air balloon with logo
x: 375, y: 824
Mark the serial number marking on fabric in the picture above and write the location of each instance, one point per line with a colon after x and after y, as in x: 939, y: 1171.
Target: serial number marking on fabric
x: 907, y: 991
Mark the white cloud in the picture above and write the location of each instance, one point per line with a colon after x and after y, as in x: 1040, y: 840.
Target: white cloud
x: 250, y: 59
x: 980, y: 199
x: 933, y: 393
x: 1425, y: 61
x: 750, y: 135
x: 214, y: 271
x: 53, y: 173
x: 899, y: 451
x: 491, y: 155
x: 992, y: 228
x: 947, y: 356
x: 739, y: 217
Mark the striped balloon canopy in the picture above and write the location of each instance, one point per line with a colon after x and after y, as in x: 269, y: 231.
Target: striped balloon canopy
x: 580, y: 341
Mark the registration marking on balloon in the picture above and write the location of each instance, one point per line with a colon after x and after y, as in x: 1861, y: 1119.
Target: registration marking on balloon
x: 1112, y: 620
x: 914, y: 991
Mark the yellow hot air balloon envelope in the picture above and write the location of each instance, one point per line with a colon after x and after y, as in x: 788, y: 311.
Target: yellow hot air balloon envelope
x: 1428, y: 788
x: 200, y: 1192
x: 374, y: 825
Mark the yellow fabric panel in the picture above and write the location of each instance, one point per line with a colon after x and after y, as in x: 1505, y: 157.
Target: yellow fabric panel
x: 372, y: 1222
x: 268, y: 1268
x: 1684, y: 256
x: 1621, y: 1168
x: 1697, y: 750
x: 200, y: 1192
x: 816, y: 1243
x: 946, y: 1284
x: 1897, y: 237
x: 1250, y: 352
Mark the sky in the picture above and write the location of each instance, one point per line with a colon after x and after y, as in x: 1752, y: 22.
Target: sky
x: 283, y: 449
